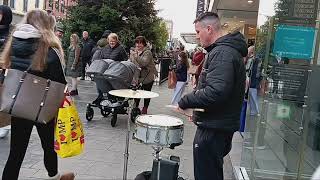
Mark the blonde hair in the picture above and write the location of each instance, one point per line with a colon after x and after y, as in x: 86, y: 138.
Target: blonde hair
x: 76, y: 39
x: 113, y: 36
x: 43, y: 23
x: 52, y: 20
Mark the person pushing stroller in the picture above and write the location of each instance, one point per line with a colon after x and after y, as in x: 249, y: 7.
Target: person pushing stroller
x: 115, y: 51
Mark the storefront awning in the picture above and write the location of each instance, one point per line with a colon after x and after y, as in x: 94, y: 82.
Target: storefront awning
x: 189, y: 38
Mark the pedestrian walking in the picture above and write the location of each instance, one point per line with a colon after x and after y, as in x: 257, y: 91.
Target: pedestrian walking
x: 86, y: 52
x: 220, y: 93
x: 142, y: 57
x: 5, y: 24
x: 182, y: 77
x: 31, y: 44
x: 73, y: 68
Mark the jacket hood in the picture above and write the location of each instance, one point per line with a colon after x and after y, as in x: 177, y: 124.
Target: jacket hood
x: 235, y: 40
x: 26, y: 31
x: 6, y: 15
x: 23, y: 48
x: 102, y: 42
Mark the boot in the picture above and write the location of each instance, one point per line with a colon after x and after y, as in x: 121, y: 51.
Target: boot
x: 144, y: 110
x: 67, y: 176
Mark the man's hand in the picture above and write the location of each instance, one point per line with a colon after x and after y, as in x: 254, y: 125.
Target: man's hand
x: 186, y: 112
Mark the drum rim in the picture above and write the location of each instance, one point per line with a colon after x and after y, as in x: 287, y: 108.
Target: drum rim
x: 159, y: 126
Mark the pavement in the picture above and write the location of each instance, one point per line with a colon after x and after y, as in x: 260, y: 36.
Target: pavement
x: 104, y: 145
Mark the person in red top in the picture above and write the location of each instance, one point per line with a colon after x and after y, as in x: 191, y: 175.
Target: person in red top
x: 197, y: 60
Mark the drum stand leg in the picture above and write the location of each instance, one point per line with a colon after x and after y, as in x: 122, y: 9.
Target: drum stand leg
x: 157, y: 150
x: 126, y: 152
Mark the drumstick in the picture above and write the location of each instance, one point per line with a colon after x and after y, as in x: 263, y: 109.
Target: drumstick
x: 195, y: 109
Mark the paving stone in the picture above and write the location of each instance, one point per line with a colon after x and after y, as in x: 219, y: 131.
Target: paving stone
x: 103, y: 154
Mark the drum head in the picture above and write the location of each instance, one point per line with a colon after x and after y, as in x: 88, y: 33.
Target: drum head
x: 160, y: 120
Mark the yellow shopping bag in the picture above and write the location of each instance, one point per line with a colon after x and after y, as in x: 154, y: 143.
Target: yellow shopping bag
x: 69, y: 136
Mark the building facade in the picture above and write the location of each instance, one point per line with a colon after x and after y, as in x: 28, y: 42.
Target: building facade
x: 59, y: 7
x: 20, y: 7
x: 282, y: 140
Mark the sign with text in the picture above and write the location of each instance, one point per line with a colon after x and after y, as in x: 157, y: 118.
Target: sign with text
x: 294, y: 42
x: 290, y: 81
x: 200, y: 7
x: 299, y: 12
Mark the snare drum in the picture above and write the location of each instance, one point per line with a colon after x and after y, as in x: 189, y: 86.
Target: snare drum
x: 162, y: 130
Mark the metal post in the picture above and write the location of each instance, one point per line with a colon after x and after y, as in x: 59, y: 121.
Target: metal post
x: 305, y: 119
x: 126, y: 152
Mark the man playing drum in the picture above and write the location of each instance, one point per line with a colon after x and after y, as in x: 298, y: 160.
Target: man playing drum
x: 220, y: 93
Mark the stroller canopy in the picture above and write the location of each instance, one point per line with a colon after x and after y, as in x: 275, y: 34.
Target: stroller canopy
x: 109, y: 74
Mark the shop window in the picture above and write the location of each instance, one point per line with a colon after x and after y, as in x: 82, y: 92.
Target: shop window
x: 57, y: 5
x: 25, y: 5
x: 12, y: 3
x: 37, y: 4
x: 51, y: 4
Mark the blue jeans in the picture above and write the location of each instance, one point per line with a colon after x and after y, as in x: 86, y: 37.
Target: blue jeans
x: 253, y: 101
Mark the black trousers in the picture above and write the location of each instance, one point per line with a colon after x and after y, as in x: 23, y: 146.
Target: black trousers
x: 20, y: 134
x: 146, y: 87
x: 84, y: 61
x: 209, y: 148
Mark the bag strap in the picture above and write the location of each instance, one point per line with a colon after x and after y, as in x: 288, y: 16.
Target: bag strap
x: 43, y: 99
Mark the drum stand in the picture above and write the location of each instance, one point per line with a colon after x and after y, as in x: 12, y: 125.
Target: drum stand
x: 157, y: 150
x: 126, y: 152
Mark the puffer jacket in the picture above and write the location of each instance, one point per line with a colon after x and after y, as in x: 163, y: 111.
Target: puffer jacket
x: 117, y: 53
x: 22, y: 52
x: 220, y: 89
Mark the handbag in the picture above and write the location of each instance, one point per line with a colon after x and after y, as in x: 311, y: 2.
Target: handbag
x: 195, y: 69
x: 69, y: 134
x: 172, y: 80
x: 30, y: 97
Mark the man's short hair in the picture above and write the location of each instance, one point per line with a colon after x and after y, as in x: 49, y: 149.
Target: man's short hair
x: 209, y: 18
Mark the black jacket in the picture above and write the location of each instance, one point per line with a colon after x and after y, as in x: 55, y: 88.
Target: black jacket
x: 4, y: 24
x: 86, y: 49
x: 117, y: 53
x: 182, y: 72
x: 221, y: 85
x: 22, y: 51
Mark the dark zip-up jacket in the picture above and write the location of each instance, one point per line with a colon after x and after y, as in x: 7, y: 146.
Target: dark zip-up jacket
x: 117, y: 53
x: 21, y: 58
x: 221, y: 85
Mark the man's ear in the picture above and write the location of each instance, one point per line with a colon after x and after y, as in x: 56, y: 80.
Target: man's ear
x: 209, y: 29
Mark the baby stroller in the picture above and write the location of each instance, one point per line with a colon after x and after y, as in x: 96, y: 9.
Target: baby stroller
x: 111, y: 75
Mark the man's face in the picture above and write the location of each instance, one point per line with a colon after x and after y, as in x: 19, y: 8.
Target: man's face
x: 85, y: 34
x: 203, y: 34
x: 59, y: 34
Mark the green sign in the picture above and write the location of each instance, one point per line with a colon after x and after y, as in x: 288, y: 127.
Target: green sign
x: 294, y: 42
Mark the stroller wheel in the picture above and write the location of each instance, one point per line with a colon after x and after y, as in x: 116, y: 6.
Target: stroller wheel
x: 89, y: 113
x: 114, y: 120
x: 134, y: 113
x: 104, y: 113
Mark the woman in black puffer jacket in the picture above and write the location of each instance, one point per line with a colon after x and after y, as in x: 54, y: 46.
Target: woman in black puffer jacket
x: 31, y: 44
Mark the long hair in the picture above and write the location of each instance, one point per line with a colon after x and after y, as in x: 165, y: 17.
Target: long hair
x: 184, y: 58
x: 41, y: 21
x: 76, y: 41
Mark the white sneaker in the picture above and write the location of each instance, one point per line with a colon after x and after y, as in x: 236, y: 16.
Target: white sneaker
x: 3, y: 132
